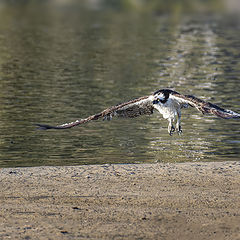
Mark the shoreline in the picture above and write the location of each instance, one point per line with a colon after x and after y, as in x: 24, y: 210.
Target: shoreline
x: 199, y: 200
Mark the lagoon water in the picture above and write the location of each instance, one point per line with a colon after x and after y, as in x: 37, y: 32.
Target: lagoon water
x: 62, y: 62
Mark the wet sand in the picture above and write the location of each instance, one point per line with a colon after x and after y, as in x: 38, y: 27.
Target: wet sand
x: 133, y: 201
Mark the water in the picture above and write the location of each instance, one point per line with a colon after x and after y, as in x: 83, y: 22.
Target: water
x: 59, y: 63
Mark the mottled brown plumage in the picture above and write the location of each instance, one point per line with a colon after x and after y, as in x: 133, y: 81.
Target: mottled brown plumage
x: 206, y: 107
x: 130, y: 109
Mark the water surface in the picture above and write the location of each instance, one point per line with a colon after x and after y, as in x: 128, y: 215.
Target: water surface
x: 60, y: 63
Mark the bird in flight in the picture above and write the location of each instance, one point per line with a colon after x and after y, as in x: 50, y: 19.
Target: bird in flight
x: 167, y: 102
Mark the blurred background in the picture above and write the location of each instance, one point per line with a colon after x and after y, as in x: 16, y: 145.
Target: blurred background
x: 62, y: 60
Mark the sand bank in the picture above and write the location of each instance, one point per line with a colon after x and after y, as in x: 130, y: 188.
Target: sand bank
x: 133, y: 201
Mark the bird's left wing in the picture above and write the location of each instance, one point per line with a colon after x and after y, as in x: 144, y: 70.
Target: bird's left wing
x: 203, y: 106
x: 130, y: 109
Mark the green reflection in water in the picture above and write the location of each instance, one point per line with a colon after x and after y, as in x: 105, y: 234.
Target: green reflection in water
x: 59, y: 63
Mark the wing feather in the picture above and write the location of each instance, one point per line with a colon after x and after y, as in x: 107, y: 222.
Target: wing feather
x: 130, y: 109
x: 203, y: 106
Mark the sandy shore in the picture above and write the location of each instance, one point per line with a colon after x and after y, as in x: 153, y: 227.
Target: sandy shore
x: 145, y: 201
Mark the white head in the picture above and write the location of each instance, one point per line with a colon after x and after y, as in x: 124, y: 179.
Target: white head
x: 161, y: 96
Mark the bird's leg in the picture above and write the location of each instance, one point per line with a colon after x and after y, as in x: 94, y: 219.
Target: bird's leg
x: 171, y: 128
x: 178, y: 124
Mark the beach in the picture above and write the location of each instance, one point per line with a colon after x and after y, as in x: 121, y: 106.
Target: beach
x: 199, y: 200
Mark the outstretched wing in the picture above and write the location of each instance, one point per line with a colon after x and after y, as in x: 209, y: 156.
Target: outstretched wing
x: 203, y: 106
x: 131, y: 109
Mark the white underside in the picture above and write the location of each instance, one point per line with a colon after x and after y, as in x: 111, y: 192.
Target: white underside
x: 169, y: 110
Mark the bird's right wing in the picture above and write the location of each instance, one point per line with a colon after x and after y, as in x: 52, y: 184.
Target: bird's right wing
x: 130, y: 109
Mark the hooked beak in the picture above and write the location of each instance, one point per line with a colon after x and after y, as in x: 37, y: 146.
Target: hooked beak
x: 155, y: 101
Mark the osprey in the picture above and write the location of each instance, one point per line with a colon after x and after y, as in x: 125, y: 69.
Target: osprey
x: 167, y: 102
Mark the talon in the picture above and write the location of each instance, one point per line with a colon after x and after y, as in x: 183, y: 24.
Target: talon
x: 180, y: 132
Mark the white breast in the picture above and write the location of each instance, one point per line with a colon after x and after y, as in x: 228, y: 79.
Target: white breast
x: 168, y: 109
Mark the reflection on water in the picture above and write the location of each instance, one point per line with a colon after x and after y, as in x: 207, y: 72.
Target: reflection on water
x: 58, y: 64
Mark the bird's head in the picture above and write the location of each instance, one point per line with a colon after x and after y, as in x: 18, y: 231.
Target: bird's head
x: 161, y: 96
